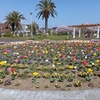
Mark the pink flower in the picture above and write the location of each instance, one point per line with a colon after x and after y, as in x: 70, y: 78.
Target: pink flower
x: 74, y: 59
x: 16, y: 60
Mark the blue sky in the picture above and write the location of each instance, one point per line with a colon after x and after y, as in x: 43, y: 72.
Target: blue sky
x: 70, y: 12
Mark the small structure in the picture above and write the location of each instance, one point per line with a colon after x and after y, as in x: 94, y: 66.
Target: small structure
x: 84, y: 26
x: 3, y: 28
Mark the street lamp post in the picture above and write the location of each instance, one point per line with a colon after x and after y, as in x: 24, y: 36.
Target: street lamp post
x: 31, y: 26
x: 51, y: 26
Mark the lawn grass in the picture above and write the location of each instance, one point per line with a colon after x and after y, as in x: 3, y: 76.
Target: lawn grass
x: 53, y: 37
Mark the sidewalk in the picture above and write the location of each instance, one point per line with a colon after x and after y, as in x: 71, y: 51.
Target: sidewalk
x: 9, y: 94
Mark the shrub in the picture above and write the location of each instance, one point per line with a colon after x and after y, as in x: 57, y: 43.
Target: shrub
x: 20, y: 35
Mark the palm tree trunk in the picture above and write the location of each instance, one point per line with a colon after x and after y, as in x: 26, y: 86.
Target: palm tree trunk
x: 17, y: 32
x: 46, y: 25
x: 13, y: 29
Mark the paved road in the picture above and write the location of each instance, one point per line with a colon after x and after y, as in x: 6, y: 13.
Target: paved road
x: 11, y: 39
x: 9, y: 94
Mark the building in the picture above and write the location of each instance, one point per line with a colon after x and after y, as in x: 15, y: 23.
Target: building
x: 3, y: 28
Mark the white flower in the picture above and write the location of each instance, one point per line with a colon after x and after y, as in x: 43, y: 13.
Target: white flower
x: 46, y: 60
x: 75, y: 67
x: 32, y: 51
x: 5, y: 62
x: 82, y: 50
x: 85, y: 57
x: 14, y: 53
x: 15, y: 47
x: 17, y: 53
x: 35, y: 46
x: 92, y: 63
x: 53, y: 65
x: 58, y: 52
x: 68, y: 56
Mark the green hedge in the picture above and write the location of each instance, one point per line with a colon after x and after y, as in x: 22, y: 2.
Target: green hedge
x: 10, y: 35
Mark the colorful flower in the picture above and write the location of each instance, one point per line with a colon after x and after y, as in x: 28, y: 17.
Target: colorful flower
x: 35, y: 74
x: 90, y: 70
x: 71, y: 67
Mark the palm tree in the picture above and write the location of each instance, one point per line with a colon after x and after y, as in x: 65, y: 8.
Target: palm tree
x: 34, y: 27
x: 13, y: 19
x: 47, y: 8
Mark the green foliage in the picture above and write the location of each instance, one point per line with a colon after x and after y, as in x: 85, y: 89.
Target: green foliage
x: 8, y: 35
x: 46, y: 8
x: 23, y: 75
x: 2, y: 75
x: 35, y: 80
x: 52, y: 79
x: 12, y: 77
x: 62, y: 78
x: 70, y: 78
x: 88, y: 78
x: 27, y: 70
x: 14, y: 19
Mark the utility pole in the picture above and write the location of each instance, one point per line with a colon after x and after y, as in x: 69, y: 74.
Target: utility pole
x: 31, y: 26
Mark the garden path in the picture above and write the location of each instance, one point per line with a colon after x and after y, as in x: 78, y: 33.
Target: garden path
x: 12, y: 94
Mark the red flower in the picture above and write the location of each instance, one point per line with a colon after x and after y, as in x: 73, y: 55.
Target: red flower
x: 72, y: 54
x: 24, y: 57
x: 63, y: 56
x: 5, y: 50
x: 99, y: 48
x: 12, y: 70
x: 40, y: 53
x: 74, y: 59
x: 84, y: 62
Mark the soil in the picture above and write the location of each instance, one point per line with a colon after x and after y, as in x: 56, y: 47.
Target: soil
x: 27, y: 84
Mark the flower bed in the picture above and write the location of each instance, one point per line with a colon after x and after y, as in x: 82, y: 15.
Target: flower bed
x: 49, y: 65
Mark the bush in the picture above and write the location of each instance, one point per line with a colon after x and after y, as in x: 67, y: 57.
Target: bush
x: 7, y: 35
x: 20, y: 35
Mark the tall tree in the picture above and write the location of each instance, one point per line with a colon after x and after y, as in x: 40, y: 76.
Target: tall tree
x: 34, y: 27
x: 13, y: 19
x: 46, y: 8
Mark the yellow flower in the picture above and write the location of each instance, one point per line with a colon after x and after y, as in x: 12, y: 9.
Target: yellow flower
x: 97, y: 61
x: 78, y: 83
x: 43, y: 51
x: 0, y: 71
x: 37, y: 50
x: 63, y: 47
x: 71, y: 67
x: 94, y: 54
x: 35, y: 74
x: 90, y: 70
x: 46, y: 52
x: 58, y: 63
x: 4, y: 53
x: 37, y: 86
x: 55, y: 74
x: 91, y: 51
x: 1, y: 81
x: 59, y: 54
x: 2, y: 63
x: 52, y: 50
x: 55, y: 58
